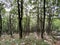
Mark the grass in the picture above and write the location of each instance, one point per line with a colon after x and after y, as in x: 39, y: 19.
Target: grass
x: 23, y: 42
x: 31, y: 40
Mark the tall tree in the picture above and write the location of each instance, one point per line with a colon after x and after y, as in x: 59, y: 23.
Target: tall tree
x: 38, y: 18
x: 10, y: 26
x: 43, y: 26
x: 1, y: 7
x: 20, y: 15
x: 49, y: 22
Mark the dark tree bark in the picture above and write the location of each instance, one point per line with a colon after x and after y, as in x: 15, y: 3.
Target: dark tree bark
x: 0, y: 24
x: 0, y: 20
x: 43, y: 26
x: 20, y: 15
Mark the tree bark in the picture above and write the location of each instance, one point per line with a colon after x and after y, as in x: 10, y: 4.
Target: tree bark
x: 43, y: 26
x: 0, y: 24
x: 0, y: 20
x: 20, y: 15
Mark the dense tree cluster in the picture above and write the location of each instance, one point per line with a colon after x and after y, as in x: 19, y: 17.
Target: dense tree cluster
x: 29, y: 16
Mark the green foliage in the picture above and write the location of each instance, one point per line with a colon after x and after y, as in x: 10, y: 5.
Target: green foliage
x: 4, y: 23
x: 14, y: 11
x: 58, y: 2
x: 28, y: 41
x: 3, y: 12
x: 56, y: 24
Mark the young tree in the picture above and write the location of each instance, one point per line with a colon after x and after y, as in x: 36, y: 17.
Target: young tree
x: 43, y: 26
x: 0, y: 24
x: 20, y: 15
x: 10, y: 26
x: 1, y: 7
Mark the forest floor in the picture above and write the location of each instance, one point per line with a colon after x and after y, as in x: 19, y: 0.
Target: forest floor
x: 31, y: 39
x: 57, y: 43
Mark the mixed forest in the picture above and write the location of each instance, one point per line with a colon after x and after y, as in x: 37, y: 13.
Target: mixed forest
x: 29, y: 22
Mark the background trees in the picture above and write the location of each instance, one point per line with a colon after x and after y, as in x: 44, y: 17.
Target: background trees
x: 1, y: 8
x: 30, y: 16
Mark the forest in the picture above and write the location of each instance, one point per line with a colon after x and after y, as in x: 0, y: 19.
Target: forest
x: 29, y: 22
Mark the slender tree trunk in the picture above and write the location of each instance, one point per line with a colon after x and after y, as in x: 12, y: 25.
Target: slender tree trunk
x: 0, y: 24
x: 49, y: 24
x: 43, y: 26
x: 27, y: 24
x: 10, y: 26
x: 38, y: 18
x: 49, y: 21
x: 20, y: 15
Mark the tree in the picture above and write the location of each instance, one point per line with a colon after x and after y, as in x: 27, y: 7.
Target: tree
x: 10, y: 26
x: 1, y: 7
x: 43, y: 26
x: 20, y: 15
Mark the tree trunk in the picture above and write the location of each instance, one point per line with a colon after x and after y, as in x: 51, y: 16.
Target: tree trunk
x: 43, y: 26
x: 20, y: 15
x: 49, y: 21
x: 27, y: 24
x: 0, y: 24
x: 38, y: 20
x: 10, y: 26
x: 49, y: 24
